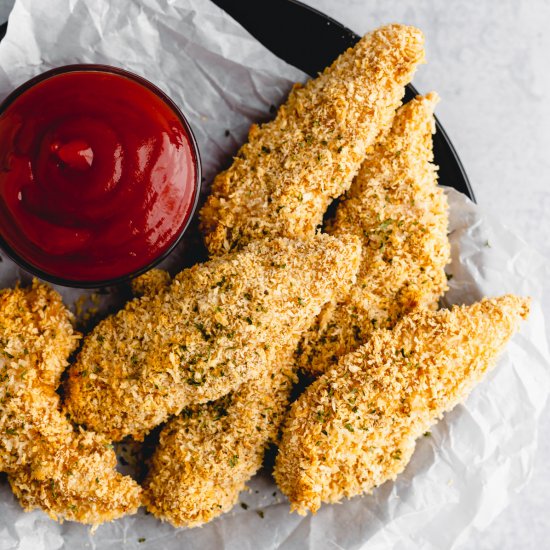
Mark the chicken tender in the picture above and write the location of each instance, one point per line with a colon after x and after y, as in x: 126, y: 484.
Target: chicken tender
x: 69, y: 474
x: 283, y: 179
x: 208, y: 453
x: 212, y: 330
x: 356, y: 426
x: 401, y: 216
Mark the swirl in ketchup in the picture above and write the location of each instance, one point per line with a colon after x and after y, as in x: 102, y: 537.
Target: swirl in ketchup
x: 99, y: 174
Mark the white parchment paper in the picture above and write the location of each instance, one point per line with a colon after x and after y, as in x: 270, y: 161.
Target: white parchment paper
x: 462, y: 475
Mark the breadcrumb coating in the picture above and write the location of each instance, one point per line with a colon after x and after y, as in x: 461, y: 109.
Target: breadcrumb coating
x: 282, y: 181
x: 355, y: 427
x: 69, y: 474
x: 401, y: 215
x: 212, y: 330
x: 208, y: 453
x: 154, y: 280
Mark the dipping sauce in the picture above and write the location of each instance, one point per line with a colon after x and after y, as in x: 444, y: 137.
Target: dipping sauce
x: 99, y: 174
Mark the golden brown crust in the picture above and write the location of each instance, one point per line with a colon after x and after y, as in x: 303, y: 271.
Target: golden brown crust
x: 70, y: 475
x: 151, y: 282
x: 401, y: 216
x: 210, y: 332
x: 204, y: 461
x: 356, y: 426
x: 208, y: 453
x: 283, y: 179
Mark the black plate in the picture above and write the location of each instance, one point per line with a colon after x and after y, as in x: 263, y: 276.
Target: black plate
x: 310, y: 40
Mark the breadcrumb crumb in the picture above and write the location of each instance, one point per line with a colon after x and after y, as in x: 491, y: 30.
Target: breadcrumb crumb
x: 151, y: 282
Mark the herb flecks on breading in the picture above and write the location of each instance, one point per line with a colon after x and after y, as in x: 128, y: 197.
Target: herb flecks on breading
x: 400, y: 214
x: 356, y: 426
x: 282, y: 181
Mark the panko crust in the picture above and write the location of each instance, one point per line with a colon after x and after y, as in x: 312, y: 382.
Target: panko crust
x: 211, y: 331
x: 401, y: 215
x: 356, y: 426
x: 208, y: 453
x: 151, y: 282
x: 282, y: 181
x: 69, y: 474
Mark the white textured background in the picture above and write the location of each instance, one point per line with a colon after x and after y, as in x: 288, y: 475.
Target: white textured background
x: 490, y: 62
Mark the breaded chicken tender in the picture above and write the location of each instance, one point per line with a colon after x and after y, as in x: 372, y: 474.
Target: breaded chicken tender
x: 355, y: 427
x: 211, y: 331
x: 401, y: 216
x: 70, y: 474
x: 283, y: 179
x: 208, y: 453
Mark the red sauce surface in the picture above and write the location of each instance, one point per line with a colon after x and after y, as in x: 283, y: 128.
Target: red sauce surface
x: 97, y: 176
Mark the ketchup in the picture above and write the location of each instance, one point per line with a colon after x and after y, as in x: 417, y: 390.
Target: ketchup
x: 98, y: 174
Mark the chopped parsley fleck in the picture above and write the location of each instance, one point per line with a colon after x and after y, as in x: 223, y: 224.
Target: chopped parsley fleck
x: 203, y: 331
x: 260, y: 513
x: 349, y: 427
x: 244, y: 505
x: 233, y: 461
x: 396, y: 455
x: 384, y: 225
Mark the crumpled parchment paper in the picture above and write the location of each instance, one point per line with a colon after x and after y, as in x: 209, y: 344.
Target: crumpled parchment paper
x: 462, y: 475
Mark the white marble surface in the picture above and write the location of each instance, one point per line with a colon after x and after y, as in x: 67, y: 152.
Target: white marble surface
x: 489, y: 62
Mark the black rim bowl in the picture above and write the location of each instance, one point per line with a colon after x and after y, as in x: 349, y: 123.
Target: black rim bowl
x: 28, y: 266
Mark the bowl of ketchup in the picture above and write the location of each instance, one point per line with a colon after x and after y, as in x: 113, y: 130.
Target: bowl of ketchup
x: 99, y: 175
